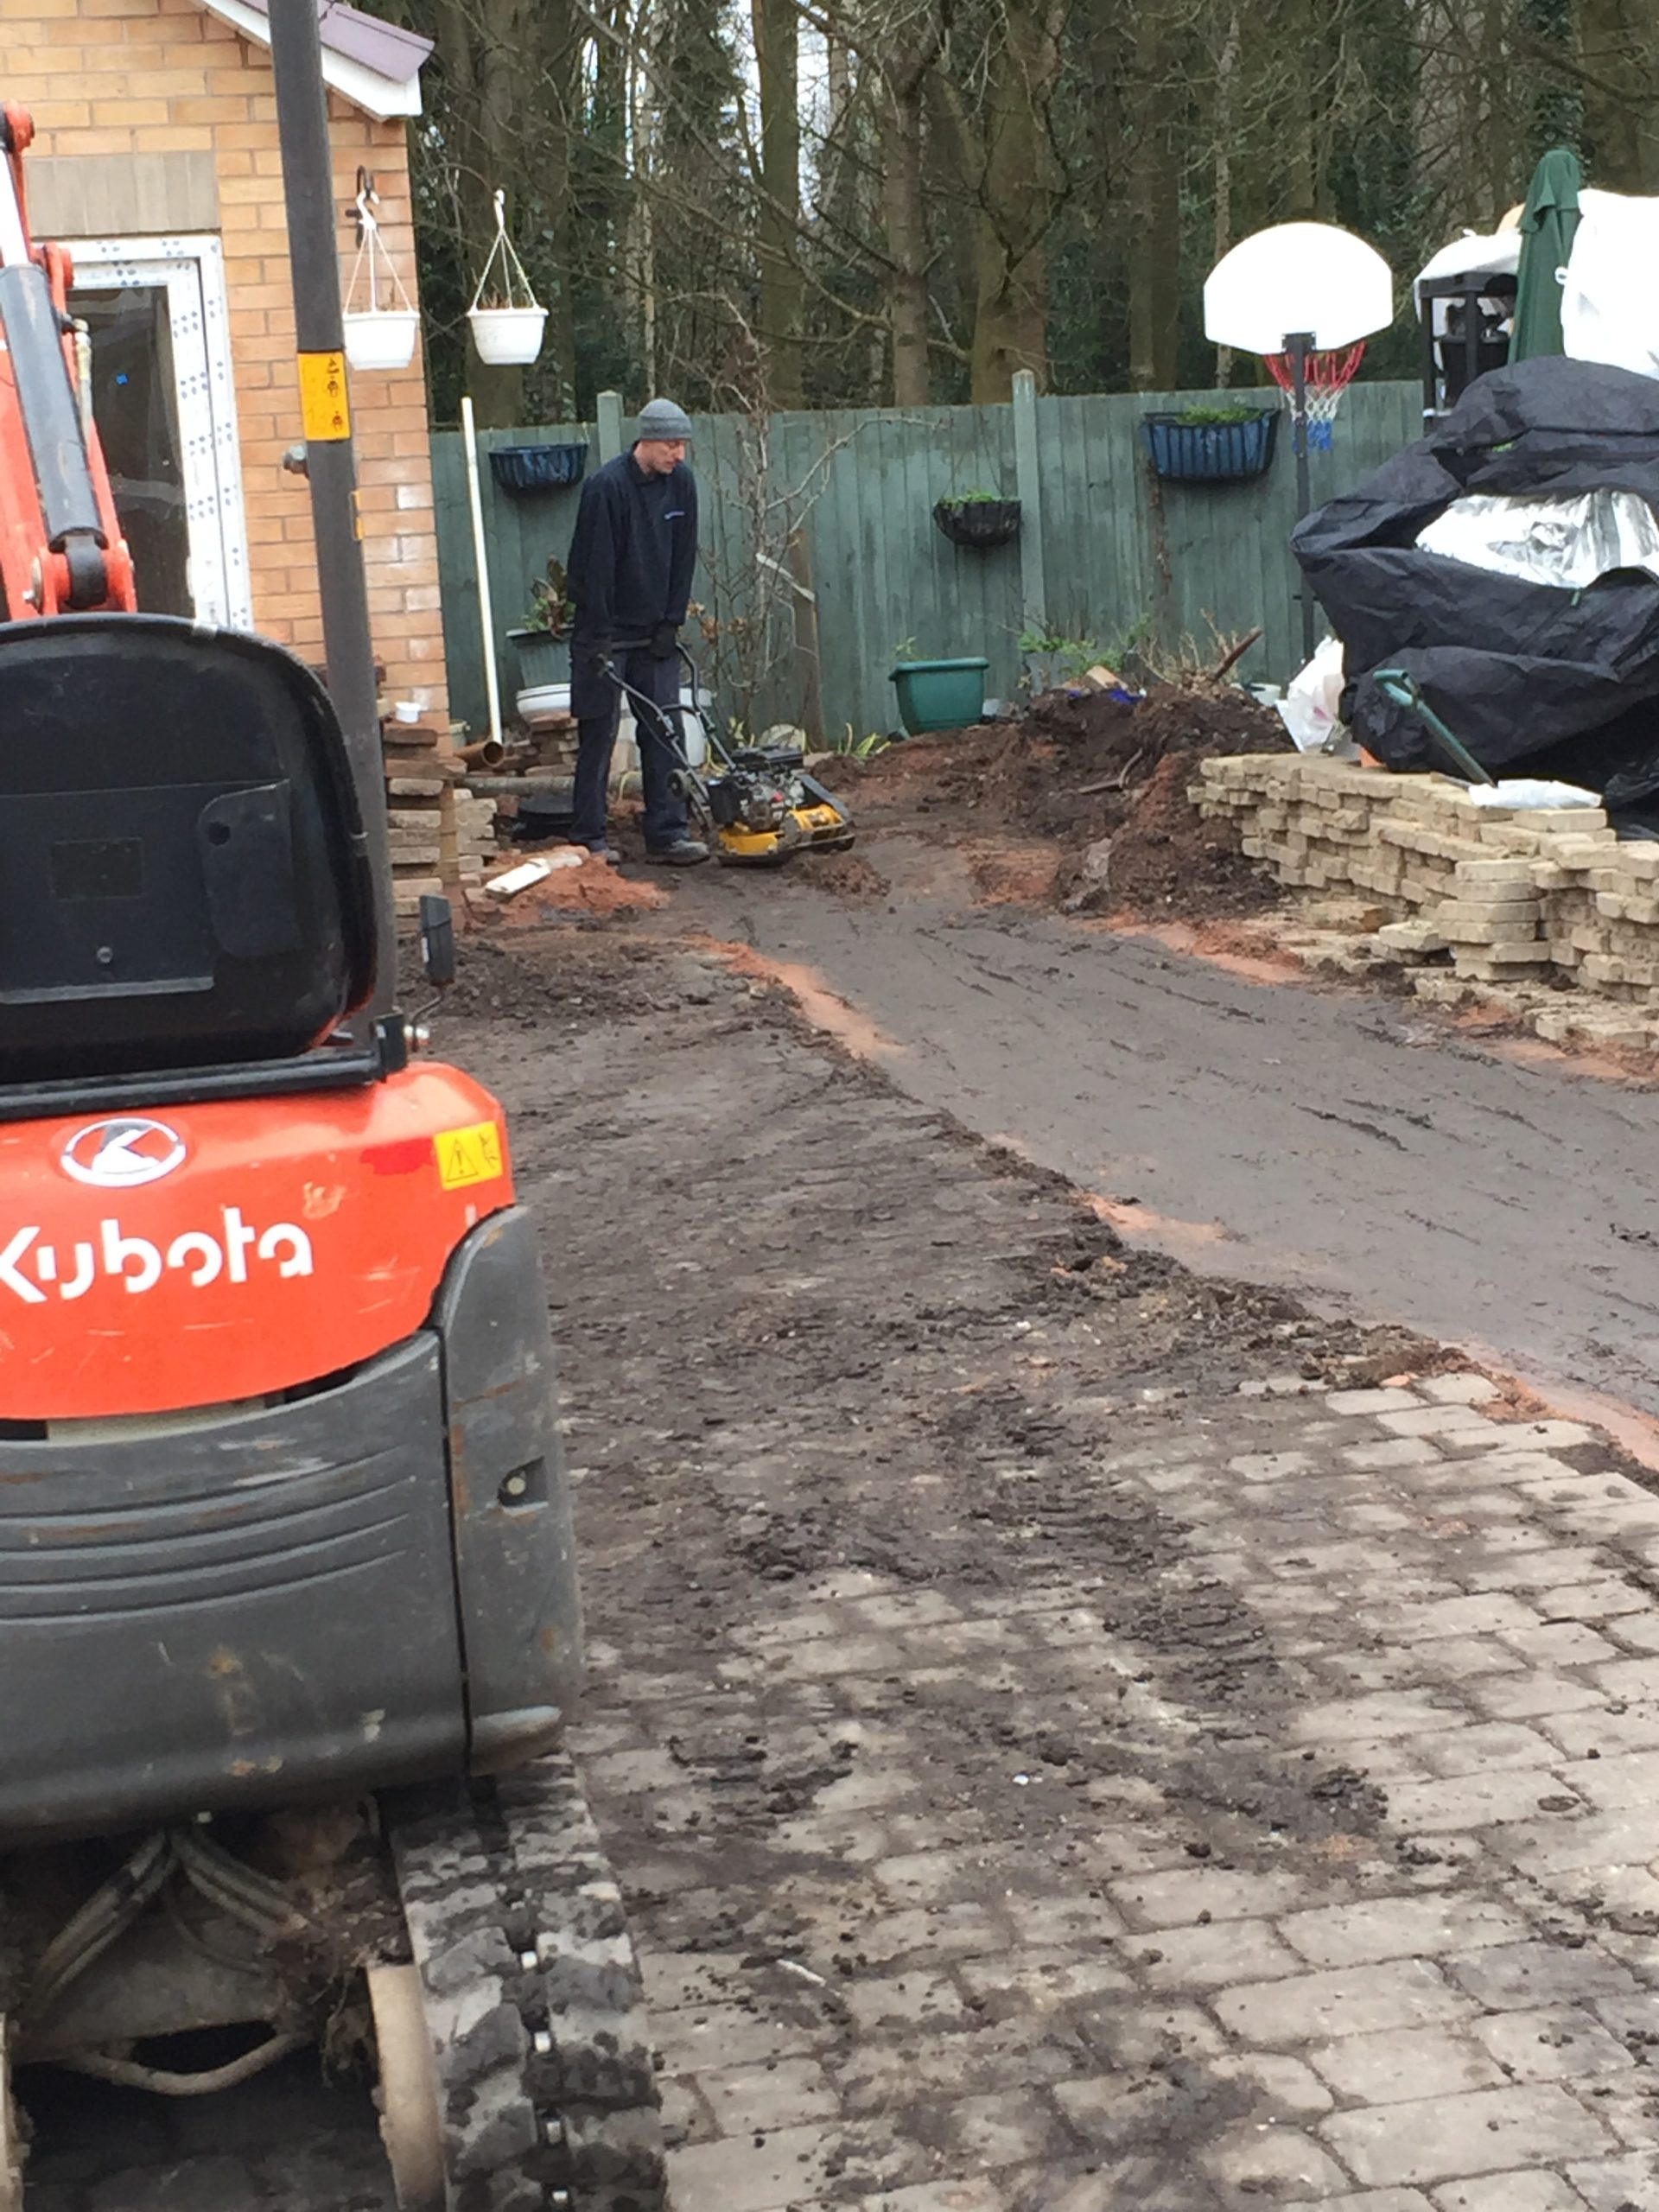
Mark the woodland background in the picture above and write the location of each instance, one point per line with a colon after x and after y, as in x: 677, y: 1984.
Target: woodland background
x: 767, y: 204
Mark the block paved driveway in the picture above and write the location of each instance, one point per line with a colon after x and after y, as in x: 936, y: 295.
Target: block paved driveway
x: 1067, y: 1755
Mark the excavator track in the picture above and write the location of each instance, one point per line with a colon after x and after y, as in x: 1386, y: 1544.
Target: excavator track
x: 546, y: 2091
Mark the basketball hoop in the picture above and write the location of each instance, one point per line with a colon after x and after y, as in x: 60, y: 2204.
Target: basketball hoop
x: 1329, y: 375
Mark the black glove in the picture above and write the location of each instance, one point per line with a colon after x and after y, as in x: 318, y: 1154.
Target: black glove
x: 664, y: 640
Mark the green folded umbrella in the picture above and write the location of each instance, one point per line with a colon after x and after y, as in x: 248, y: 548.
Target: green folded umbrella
x: 1549, y: 223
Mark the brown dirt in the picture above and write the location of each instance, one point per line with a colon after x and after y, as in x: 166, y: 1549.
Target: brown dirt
x: 1076, y: 772
x: 849, y: 876
x: 592, y: 888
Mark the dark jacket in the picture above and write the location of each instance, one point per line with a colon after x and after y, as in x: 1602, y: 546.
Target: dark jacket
x: 634, y: 552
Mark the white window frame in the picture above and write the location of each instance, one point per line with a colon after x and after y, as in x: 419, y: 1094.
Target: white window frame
x: 191, y: 271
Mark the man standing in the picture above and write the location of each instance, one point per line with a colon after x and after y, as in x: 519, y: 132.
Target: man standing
x: 629, y: 576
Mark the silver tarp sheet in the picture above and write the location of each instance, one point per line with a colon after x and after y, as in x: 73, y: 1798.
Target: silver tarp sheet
x: 1568, y: 539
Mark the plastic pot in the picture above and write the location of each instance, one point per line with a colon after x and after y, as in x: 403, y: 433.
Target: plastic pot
x: 537, y: 469
x: 381, y: 339
x: 939, y: 694
x: 543, y: 659
x: 508, y: 337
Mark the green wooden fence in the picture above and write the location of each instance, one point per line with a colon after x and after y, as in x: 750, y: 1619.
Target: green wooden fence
x: 822, y: 561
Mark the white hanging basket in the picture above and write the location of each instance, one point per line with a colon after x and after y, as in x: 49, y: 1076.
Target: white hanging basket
x: 508, y: 337
x: 381, y: 338
x: 508, y: 333
x: 376, y: 336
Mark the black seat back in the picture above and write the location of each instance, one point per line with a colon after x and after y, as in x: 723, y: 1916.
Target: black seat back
x: 183, y: 875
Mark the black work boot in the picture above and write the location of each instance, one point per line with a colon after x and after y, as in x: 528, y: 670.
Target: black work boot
x: 685, y: 852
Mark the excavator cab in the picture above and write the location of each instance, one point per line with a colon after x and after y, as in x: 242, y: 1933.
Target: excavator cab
x: 288, y: 1618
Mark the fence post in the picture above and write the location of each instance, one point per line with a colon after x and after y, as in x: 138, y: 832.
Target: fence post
x: 610, y: 425
x: 1028, y: 483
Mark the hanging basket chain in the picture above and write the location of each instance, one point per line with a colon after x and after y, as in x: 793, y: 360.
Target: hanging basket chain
x: 373, y: 263
x: 513, y: 269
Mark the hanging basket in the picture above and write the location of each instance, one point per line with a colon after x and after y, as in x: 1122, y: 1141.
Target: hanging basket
x: 508, y: 334
x: 1184, y: 452
x: 381, y: 321
x: 978, y: 523
x: 537, y: 469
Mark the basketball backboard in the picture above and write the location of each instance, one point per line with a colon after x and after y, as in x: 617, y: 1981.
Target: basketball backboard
x: 1297, y: 276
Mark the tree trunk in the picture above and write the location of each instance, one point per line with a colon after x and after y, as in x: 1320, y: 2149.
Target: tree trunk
x: 782, y: 287
x: 1020, y: 188
x: 1225, y: 125
x: 906, y: 211
x: 1618, y: 41
x: 1154, y: 213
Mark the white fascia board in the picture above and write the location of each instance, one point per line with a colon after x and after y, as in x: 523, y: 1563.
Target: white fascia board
x: 379, y: 96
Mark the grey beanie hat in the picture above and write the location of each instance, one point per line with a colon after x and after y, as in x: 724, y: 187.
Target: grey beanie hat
x: 661, y: 418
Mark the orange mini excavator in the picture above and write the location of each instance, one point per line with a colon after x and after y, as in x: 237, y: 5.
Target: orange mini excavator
x: 289, y: 1623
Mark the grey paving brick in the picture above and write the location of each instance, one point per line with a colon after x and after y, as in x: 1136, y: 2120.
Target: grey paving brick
x: 1082, y: 1919
x: 1438, y: 2139
x: 1525, y: 2192
x: 1232, y: 1951
x: 886, y: 2073
x: 1474, y: 1801
x: 1270, y: 1466
x: 1008, y: 2127
x: 1494, y: 1747
x: 1602, y: 1598
x: 1398, y: 1452
x: 1465, y: 1389
x: 1388, y: 1712
x: 1522, y: 1977
x: 1394, y: 1401
x: 1180, y: 1898
x: 1635, y: 1632
x: 1612, y: 1784
x: 1369, y: 2200
x: 1398, y: 1928
x: 1396, y: 2067
x: 1561, y: 1644
x: 1629, y: 1681
x: 1539, y: 1691
x: 1271, y: 2161
x: 891, y: 2001
x: 699, y: 2038
x: 1627, y: 2184
x: 1348, y: 2002
x: 788, y: 2093
x: 1277, y: 2084
x: 1128, y: 2036
x: 1453, y: 1658
x: 1560, y: 1843
x: 1442, y: 1421
x: 1491, y: 1612
x: 1547, y: 1569
x: 1115, y: 2111
x: 1041, y: 1978
x: 1560, y: 2042
x: 750, y: 2175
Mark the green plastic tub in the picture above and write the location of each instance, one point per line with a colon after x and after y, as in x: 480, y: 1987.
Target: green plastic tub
x: 939, y: 694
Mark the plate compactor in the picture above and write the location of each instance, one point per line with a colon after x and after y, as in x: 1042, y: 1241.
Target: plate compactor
x: 755, y: 806
x: 289, y: 1621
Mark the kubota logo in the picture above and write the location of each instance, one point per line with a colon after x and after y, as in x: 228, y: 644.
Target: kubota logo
x: 121, y: 1154
x: 199, y: 1255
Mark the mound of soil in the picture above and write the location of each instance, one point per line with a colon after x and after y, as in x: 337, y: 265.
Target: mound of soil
x: 1080, y: 770
x: 1166, y: 858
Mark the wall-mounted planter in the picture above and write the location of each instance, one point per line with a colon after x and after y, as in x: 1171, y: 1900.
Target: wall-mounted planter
x: 1184, y: 452
x: 537, y: 469
x: 939, y: 694
x: 980, y: 524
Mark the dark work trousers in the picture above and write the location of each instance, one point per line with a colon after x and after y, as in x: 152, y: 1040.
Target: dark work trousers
x: 597, y: 705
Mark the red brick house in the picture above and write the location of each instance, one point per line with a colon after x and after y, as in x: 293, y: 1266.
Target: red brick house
x: 156, y: 161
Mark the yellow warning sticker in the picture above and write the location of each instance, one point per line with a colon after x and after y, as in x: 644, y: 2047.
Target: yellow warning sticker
x: 324, y: 405
x: 470, y: 1155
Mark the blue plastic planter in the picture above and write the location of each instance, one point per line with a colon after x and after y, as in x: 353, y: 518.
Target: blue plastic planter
x: 939, y: 694
x: 1210, y: 453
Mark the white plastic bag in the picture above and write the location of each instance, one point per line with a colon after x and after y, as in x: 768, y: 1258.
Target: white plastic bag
x: 1308, y: 709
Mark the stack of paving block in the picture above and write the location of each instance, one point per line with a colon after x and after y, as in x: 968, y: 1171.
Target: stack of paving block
x: 1517, y: 896
x: 440, y: 834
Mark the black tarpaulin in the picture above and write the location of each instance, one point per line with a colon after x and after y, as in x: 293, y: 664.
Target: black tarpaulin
x: 1533, y: 677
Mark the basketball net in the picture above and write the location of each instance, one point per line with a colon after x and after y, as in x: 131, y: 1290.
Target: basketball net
x: 1328, y: 376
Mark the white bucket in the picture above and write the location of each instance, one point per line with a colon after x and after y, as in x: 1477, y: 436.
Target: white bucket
x: 381, y: 340
x: 508, y: 337
x: 539, y: 704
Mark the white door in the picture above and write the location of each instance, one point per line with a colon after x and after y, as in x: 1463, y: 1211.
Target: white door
x: 164, y: 404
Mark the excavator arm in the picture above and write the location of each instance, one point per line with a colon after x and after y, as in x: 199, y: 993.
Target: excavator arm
x: 61, y: 549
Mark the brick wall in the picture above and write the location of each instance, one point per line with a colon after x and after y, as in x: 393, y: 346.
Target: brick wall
x: 126, y: 77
